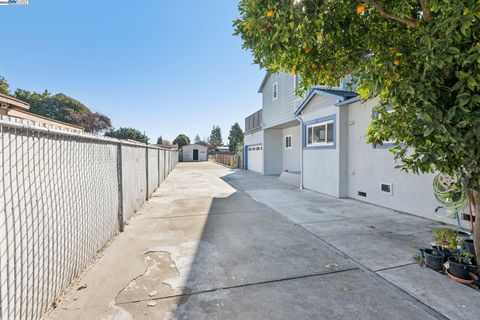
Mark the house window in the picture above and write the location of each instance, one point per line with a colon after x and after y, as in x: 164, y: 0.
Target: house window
x: 288, y: 142
x: 275, y: 90
x: 320, y: 134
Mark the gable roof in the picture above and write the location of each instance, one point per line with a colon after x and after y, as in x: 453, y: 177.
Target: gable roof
x: 265, y: 78
x: 337, y: 94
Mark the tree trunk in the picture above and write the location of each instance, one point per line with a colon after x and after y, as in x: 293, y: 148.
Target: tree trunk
x: 476, y: 230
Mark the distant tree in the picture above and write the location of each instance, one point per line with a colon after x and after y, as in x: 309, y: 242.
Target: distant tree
x: 4, y: 86
x: 127, y: 133
x: 181, y: 140
x: 166, y: 142
x: 160, y: 140
x: 235, y: 138
x: 199, y: 141
x: 91, y: 122
x: 64, y: 108
x: 215, y: 139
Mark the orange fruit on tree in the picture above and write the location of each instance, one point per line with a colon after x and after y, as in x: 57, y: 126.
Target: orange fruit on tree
x: 306, y: 49
x: 247, y: 26
x: 361, y: 9
x: 396, y: 62
x: 294, y: 71
x: 270, y: 13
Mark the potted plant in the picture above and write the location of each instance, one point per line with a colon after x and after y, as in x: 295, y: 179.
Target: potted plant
x: 433, y: 258
x: 461, y: 264
x: 446, y: 240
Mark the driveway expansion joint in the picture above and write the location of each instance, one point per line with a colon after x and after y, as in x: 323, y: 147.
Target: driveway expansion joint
x: 259, y: 283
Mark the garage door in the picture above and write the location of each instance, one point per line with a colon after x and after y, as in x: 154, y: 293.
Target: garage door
x: 255, y: 158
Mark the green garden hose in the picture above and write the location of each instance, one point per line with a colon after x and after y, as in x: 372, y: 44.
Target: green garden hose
x: 451, y: 194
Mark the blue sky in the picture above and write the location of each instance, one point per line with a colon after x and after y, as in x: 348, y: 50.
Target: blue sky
x: 162, y: 66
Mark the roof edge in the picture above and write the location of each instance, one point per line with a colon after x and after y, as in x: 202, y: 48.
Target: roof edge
x: 265, y: 78
x: 14, y: 101
x: 313, y: 93
x: 349, y: 101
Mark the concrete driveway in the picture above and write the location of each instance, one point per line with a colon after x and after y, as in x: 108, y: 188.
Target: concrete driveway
x: 215, y: 243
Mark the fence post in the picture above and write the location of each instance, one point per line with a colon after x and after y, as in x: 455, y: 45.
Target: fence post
x: 146, y: 172
x: 120, y: 186
x: 158, y: 167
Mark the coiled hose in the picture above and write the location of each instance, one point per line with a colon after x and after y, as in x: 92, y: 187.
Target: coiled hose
x: 450, y: 192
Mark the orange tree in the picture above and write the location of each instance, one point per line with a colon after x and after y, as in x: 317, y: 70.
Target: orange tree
x: 419, y: 57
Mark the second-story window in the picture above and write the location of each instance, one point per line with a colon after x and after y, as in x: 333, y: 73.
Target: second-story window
x: 275, y: 91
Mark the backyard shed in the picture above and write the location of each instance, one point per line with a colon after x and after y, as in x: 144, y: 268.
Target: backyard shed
x: 193, y: 152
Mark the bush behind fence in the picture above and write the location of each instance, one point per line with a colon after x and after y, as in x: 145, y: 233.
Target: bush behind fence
x: 230, y: 160
x: 63, y: 196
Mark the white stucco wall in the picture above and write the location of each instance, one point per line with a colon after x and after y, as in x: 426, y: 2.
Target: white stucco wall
x: 291, y: 157
x: 322, y: 166
x: 188, y: 152
x: 254, y: 138
x: 368, y: 167
x: 272, y: 151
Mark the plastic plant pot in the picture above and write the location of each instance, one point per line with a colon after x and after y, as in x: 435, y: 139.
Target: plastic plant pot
x: 434, y: 259
x: 459, y: 269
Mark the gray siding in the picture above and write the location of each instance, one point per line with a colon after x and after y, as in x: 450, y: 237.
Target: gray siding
x: 280, y: 110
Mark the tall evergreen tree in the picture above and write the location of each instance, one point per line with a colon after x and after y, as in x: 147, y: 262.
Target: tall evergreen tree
x: 215, y: 139
x: 235, y: 138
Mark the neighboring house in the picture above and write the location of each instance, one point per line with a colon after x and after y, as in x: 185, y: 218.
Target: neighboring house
x: 15, y: 108
x: 193, y: 152
x: 321, y: 146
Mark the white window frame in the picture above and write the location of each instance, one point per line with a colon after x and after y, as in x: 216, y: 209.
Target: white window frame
x: 286, y: 139
x: 275, y: 91
x: 325, y: 143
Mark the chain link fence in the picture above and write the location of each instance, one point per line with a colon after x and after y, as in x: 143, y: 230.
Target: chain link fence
x: 63, y: 196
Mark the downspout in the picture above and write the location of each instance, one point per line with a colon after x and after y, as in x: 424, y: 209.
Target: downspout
x: 301, y: 149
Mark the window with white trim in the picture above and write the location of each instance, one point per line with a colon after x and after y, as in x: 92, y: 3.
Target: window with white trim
x: 288, y: 142
x: 275, y: 91
x: 320, y: 134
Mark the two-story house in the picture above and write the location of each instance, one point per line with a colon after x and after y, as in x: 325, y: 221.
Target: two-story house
x: 273, y: 143
x: 319, y: 143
